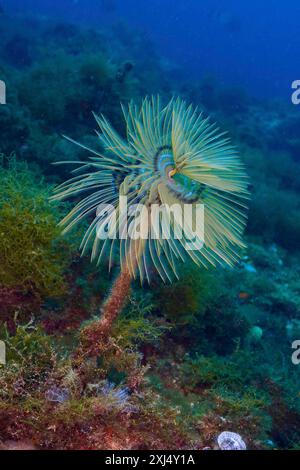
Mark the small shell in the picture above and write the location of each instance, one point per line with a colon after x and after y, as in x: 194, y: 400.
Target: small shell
x: 231, y: 441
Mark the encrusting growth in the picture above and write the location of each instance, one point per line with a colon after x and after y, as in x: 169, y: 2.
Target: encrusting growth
x: 115, y: 302
x: 97, y: 333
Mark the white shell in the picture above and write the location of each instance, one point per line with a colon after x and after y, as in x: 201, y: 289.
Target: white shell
x: 231, y: 441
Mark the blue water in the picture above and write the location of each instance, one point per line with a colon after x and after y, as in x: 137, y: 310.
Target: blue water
x: 254, y: 44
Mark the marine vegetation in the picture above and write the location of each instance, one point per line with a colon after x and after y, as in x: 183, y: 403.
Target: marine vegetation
x: 172, y: 155
x: 33, y: 258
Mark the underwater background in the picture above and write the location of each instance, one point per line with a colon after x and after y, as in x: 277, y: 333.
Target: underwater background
x: 186, y: 360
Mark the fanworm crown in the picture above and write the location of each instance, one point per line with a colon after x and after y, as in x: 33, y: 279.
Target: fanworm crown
x: 171, y: 156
